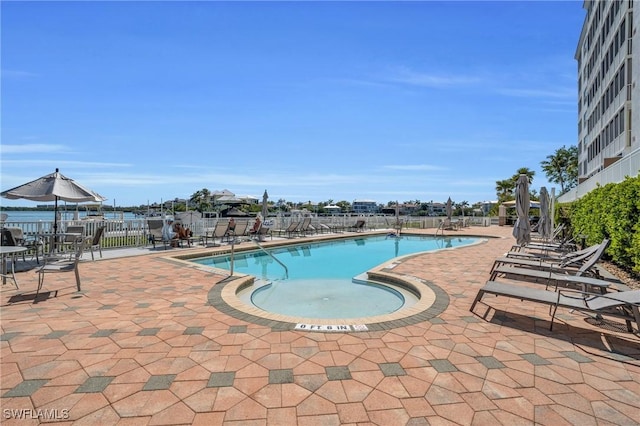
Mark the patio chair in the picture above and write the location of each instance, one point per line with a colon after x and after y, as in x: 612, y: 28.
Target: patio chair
x: 96, y: 241
x: 14, y: 236
x: 155, y: 232
x: 623, y: 304
x: 60, y: 266
x: 71, y: 241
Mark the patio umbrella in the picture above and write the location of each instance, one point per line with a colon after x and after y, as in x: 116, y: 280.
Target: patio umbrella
x: 53, y: 187
x: 449, y: 208
x: 265, y: 208
x: 522, y: 228
x: 544, y: 224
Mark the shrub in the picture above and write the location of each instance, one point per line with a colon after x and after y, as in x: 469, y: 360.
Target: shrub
x: 611, y: 211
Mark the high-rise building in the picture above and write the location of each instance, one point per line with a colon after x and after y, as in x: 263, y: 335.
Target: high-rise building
x: 608, y: 95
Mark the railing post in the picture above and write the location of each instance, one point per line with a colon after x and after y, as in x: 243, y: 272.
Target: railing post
x: 233, y: 245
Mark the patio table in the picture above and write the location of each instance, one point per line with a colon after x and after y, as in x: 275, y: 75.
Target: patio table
x: 9, y: 253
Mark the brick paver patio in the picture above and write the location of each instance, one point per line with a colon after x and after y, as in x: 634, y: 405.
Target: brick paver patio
x: 141, y: 345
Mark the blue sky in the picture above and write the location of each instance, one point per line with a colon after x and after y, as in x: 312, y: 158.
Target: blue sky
x: 149, y: 101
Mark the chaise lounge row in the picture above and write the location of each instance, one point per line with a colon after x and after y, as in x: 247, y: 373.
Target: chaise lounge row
x: 571, y: 281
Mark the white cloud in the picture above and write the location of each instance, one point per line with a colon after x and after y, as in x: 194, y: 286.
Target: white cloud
x: 559, y: 93
x: 61, y: 163
x: 413, y: 167
x: 32, y: 148
x: 408, y: 76
x: 17, y: 74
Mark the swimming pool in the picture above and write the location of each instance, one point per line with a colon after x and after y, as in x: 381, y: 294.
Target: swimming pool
x: 318, y: 281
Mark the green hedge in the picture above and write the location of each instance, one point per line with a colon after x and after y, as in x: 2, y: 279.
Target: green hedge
x: 611, y: 211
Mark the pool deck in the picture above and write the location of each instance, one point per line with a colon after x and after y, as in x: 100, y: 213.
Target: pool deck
x: 141, y: 345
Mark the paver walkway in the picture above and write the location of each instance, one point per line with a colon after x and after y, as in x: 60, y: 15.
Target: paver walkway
x: 141, y: 346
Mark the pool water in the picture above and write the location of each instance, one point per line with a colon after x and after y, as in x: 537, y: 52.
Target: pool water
x: 320, y: 280
x: 327, y: 298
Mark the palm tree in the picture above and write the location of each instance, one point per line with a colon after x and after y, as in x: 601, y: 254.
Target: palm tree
x: 524, y: 171
x: 463, y: 205
x: 562, y: 167
x: 504, y: 189
x: 201, y: 199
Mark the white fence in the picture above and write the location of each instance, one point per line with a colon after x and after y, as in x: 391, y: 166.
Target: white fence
x: 134, y: 232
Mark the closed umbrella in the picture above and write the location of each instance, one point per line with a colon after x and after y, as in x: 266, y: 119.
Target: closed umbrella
x: 53, y: 187
x: 522, y: 228
x: 265, y: 208
x: 449, y: 208
x: 544, y: 224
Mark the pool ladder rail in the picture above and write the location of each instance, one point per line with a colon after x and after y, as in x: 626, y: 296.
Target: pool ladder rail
x: 286, y: 270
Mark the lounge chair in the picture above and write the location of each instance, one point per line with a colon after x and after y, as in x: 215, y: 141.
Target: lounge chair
x: 219, y: 231
x: 518, y: 253
x: 358, y: 226
x: 448, y: 224
x: 581, y: 264
x: 557, y: 242
x: 550, y: 278
x: 554, y: 235
x: 563, y: 246
x: 63, y: 266
x: 623, y: 304
x: 305, y: 226
x: 289, y: 230
x: 241, y: 229
x: 260, y: 233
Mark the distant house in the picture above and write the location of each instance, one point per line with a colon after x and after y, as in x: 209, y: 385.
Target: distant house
x: 437, y: 209
x: 364, y: 206
x: 332, y: 209
x: 409, y: 208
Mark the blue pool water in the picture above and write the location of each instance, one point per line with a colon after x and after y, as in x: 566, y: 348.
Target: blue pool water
x: 320, y: 276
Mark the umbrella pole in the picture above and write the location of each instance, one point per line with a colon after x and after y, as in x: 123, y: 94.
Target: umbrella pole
x: 55, y: 216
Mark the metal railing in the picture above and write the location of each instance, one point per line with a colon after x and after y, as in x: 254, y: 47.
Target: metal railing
x: 628, y: 165
x: 286, y: 270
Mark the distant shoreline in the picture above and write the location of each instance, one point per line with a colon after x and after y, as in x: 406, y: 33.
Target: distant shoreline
x: 52, y: 208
